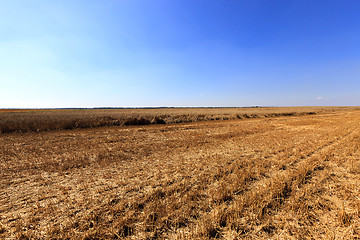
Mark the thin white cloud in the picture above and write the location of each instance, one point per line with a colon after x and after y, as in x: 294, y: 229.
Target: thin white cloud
x: 322, y: 98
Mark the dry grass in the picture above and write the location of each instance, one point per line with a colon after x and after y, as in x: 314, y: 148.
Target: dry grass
x: 32, y: 120
x: 293, y: 177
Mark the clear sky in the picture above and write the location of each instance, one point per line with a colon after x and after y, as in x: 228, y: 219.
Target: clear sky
x: 128, y: 53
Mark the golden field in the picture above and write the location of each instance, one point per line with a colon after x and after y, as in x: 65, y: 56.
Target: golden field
x: 252, y: 173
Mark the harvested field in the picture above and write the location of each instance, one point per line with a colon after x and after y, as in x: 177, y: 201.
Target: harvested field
x: 285, y: 176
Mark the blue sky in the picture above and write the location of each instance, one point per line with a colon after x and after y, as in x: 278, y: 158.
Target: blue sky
x: 128, y: 53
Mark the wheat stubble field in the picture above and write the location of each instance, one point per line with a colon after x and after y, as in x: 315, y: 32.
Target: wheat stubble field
x: 280, y: 176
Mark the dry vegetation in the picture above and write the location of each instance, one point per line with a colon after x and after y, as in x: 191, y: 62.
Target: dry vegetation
x: 36, y: 120
x: 294, y: 177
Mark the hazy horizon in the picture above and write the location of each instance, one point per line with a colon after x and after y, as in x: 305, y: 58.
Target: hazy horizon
x: 91, y: 54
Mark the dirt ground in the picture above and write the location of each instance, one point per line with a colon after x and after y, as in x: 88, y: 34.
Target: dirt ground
x: 294, y: 177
